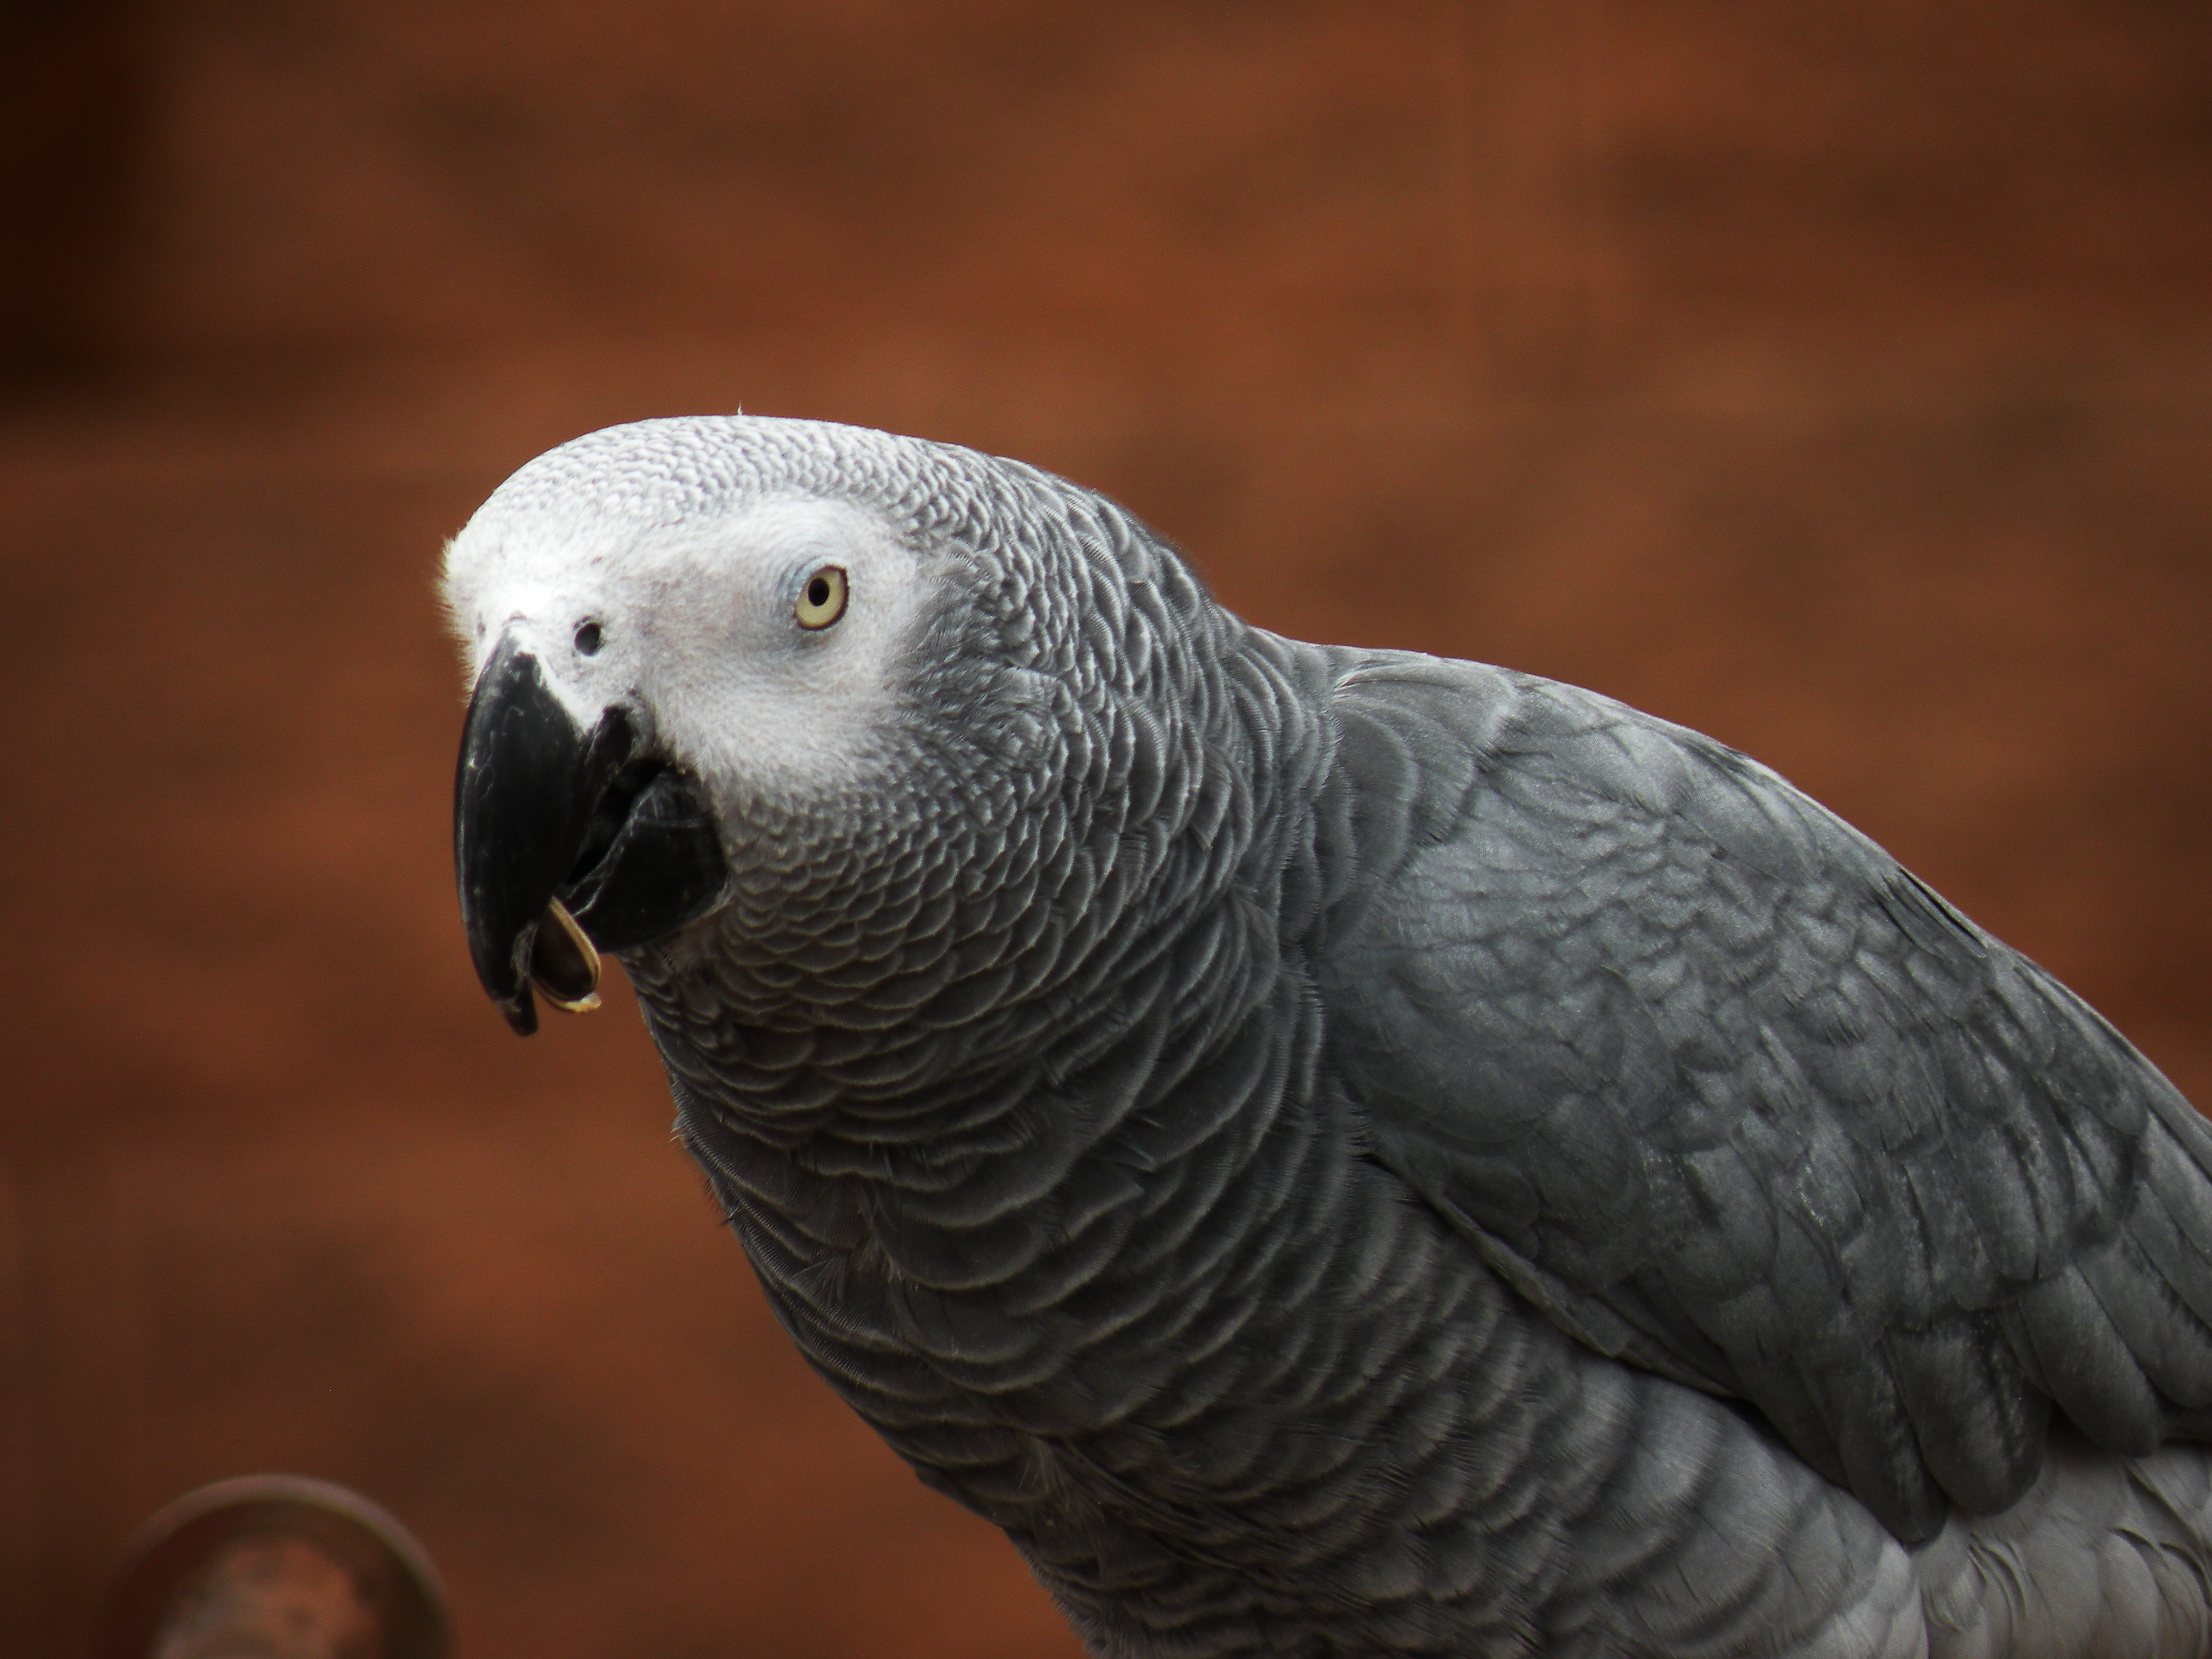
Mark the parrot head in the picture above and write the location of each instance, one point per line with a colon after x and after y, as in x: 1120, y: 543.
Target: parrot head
x: 781, y: 683
x: 662, y: 642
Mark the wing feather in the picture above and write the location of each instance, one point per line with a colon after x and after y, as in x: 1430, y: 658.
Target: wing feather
x: 1730, y: 1094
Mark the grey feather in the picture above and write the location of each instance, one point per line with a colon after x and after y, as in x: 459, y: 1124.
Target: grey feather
x: 1345, y: 1152
x: 1886, y: 1174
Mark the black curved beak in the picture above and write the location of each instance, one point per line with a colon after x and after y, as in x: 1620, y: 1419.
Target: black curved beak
x: 565, y: 839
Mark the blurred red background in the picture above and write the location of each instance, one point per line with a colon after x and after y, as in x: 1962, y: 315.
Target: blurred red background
x: 1833, y: 378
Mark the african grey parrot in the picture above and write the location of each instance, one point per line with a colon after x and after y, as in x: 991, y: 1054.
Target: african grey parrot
x: 1336, y: 1151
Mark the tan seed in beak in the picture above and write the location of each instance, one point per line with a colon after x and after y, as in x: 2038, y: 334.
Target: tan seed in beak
x: 563, y: 965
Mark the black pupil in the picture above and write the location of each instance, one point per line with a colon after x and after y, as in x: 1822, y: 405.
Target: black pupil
x: 587, y: 638
x: 817, y: 591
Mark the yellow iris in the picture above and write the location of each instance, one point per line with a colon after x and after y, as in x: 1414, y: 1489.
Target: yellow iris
x: 821, y: 601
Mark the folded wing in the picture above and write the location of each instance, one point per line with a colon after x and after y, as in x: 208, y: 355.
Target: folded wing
x: 1732, y: 1095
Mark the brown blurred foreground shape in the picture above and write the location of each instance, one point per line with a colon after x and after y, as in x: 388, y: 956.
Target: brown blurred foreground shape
x: 274, y: 1566
x: 1836, y: 378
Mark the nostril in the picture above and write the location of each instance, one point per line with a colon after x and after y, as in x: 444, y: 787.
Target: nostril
x: 589, y: 638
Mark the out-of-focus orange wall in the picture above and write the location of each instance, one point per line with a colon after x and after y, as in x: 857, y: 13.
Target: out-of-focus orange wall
x: 1836, y: 378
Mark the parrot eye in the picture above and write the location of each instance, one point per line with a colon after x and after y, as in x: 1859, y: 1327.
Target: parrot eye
x: 588, y: 640
x: 821, y: 601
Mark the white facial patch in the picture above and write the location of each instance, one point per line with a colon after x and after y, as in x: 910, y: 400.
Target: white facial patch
x: 739, y: 687
x: 694, y: 624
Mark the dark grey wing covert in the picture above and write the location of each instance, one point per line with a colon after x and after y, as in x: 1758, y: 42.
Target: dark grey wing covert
x: 1731, y: 1095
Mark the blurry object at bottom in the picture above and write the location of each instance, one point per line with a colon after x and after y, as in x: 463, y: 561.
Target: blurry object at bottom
x: 275, y: 1567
